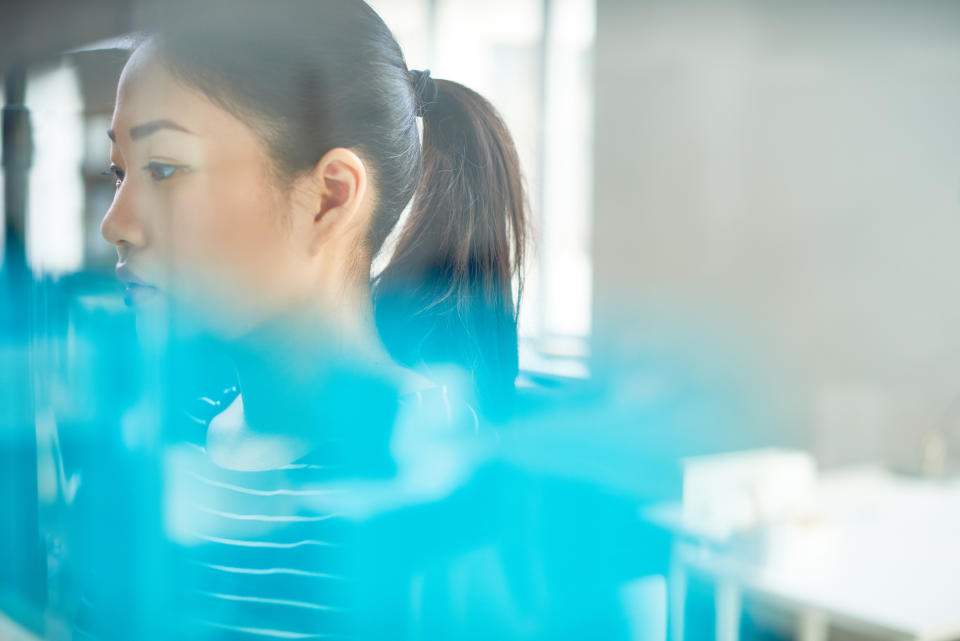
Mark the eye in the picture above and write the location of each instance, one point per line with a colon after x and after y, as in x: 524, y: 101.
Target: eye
x: 116, y: 173
x: 161, y: 171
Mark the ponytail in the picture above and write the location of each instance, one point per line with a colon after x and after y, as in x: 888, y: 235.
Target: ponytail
x: 446, y: 296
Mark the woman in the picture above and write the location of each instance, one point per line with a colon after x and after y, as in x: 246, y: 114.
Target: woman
x: 263, y: 154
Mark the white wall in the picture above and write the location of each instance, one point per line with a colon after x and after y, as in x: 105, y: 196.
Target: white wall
x: 784, y: 179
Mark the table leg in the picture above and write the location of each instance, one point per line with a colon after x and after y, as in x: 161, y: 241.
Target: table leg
x: 677, y: 596
x: 728, y: 604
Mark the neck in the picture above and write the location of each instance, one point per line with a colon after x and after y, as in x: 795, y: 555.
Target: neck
x: 350, y: 317
x: 292, y: 374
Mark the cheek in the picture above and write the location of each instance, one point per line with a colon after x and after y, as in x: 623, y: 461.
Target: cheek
x: 230, y: 248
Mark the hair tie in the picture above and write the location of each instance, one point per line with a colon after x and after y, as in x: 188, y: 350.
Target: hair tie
x: 424, y: 90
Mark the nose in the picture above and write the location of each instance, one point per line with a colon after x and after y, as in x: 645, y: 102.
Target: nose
x: 121, y: 226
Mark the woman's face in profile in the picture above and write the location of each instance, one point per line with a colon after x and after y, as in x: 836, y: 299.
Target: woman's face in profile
x: 197, y: 215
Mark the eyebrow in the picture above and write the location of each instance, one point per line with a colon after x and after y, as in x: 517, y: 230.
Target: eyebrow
x: 147, y: 128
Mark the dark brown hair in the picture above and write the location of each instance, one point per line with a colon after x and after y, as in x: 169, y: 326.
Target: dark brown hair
x: 314, y: 75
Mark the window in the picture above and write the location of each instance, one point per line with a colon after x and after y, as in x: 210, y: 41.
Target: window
x: 533, y: 60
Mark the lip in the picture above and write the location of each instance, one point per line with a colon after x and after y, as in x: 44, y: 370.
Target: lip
x: 127, y: 277
x: 137, y: 290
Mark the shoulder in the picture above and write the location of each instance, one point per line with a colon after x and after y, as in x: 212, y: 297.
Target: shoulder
x: 439, y: 407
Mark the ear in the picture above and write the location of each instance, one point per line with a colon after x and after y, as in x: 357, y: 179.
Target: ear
x: 340, y: 183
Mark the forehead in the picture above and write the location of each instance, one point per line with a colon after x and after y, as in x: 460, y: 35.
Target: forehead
x: 148, y: 91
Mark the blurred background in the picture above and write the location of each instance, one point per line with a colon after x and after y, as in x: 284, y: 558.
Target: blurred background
x: 744, y: 256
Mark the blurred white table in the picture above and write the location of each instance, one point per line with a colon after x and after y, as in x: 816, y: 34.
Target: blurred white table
x: 882, y: 557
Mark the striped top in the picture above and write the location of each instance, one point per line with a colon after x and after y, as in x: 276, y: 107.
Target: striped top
x: 263, y: 555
